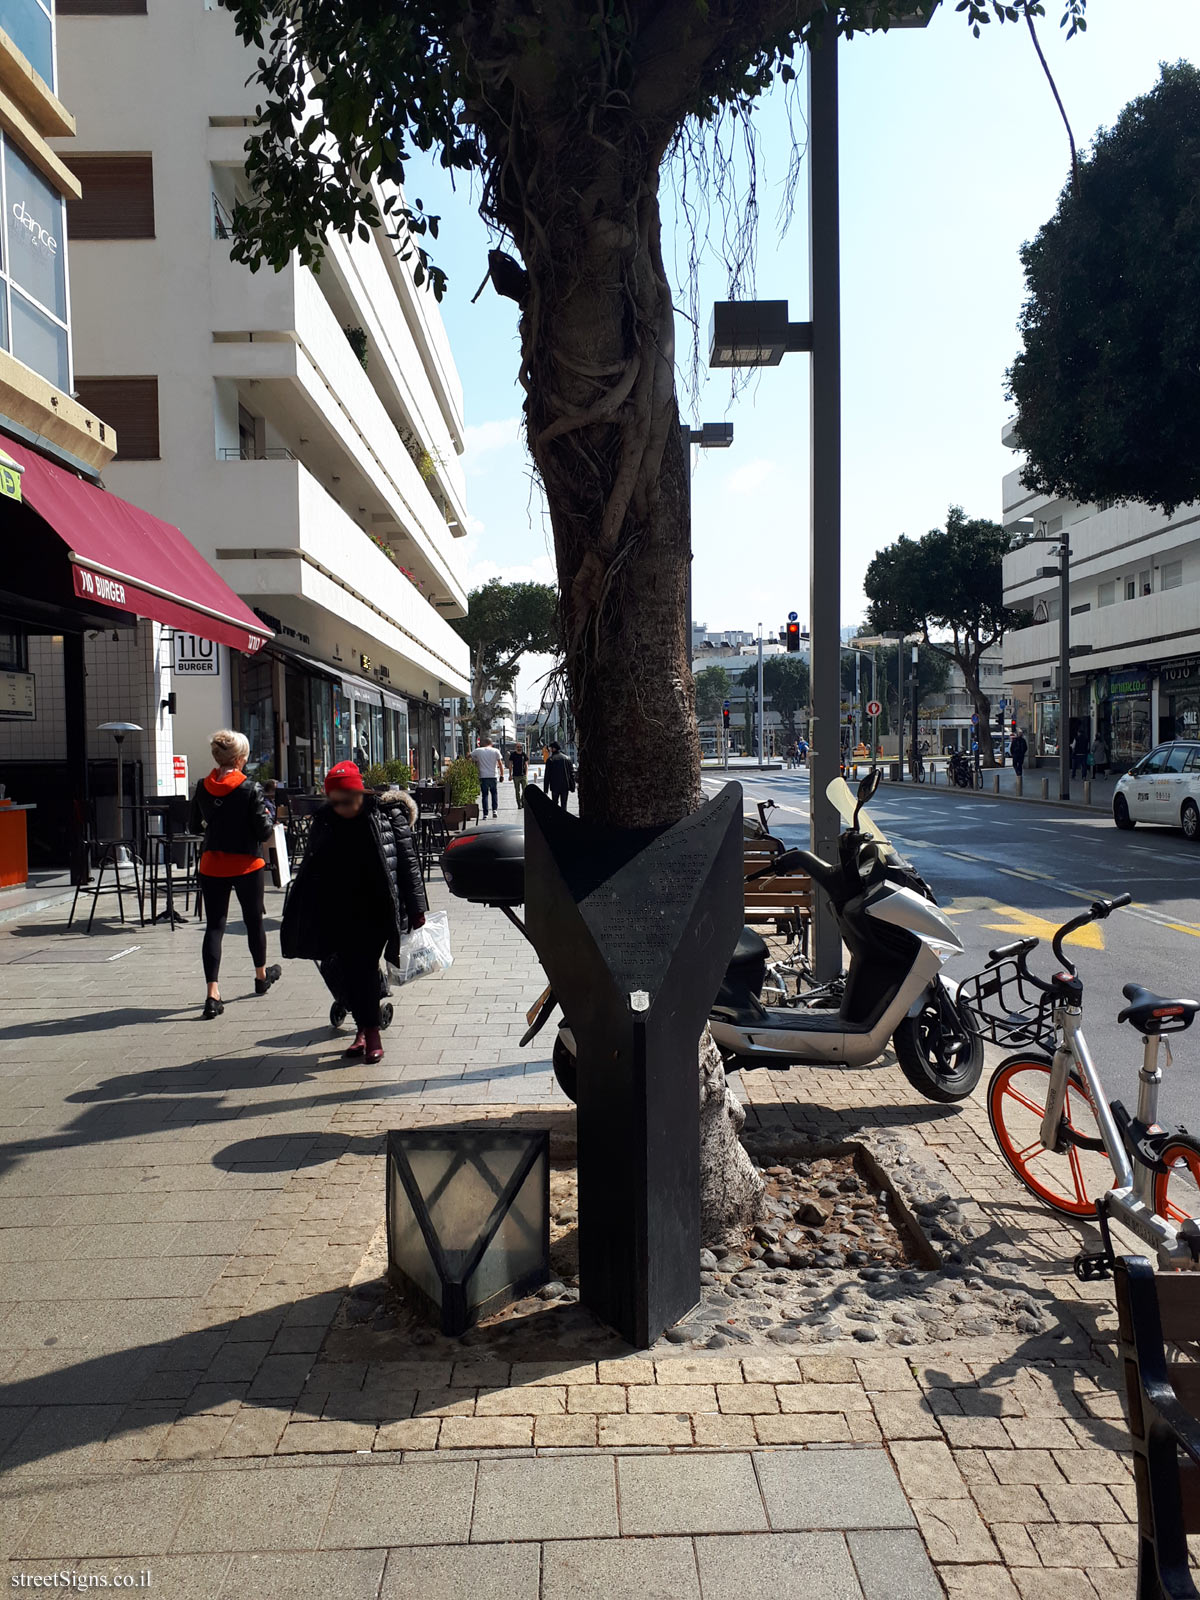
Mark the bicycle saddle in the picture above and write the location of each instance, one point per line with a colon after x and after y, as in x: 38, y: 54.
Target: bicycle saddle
x: 1155, y: 1013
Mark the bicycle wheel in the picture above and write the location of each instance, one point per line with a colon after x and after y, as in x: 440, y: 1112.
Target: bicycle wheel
x: 1071, y: 1180
x: 1177, y: 1191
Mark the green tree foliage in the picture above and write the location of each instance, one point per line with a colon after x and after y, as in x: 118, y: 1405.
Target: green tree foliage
x: 564, y: 113
x: 504, y: 622
x: 712, y: 690
x: 949, y: 584
x: 933, y: 675
x: 1106, y: 387
x: 786, y: 683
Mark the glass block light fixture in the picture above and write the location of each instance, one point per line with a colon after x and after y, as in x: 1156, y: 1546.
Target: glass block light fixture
x: 468, y: 1219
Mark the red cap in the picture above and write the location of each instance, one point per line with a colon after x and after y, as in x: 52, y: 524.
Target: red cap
x: 345, y: 775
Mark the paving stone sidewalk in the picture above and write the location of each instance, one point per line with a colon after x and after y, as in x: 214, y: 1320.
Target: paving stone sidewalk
x: 183, y: 1204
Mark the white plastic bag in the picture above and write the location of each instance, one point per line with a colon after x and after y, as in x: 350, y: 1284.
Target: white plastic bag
x: 424, y: 950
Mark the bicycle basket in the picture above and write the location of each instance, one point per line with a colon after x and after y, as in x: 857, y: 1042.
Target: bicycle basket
x: 1008, y: 1008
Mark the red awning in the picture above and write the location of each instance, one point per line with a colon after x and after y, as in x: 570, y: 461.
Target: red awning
x: 124, y: 557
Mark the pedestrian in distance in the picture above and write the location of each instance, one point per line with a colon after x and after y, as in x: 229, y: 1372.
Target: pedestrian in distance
x: 1080, y: 750
x: 1099, y: 756
x: 518, y: 766
x: 1018, y: 750
x: 490, y: 766
x: 230, y: 811
x: 559, y: 776
x: 357, y: 890
x: 270, y: 798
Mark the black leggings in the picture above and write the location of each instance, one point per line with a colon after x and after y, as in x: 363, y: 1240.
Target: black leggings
x: 359, y: 978
x: 216, y: 891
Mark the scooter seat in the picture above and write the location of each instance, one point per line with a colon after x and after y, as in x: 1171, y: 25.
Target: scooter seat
x: 750, y: 947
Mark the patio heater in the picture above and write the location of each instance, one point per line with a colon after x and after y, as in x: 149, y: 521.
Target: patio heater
x: 118, y: 731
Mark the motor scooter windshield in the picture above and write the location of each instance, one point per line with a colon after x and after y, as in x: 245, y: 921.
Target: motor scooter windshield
x: 843, y: 797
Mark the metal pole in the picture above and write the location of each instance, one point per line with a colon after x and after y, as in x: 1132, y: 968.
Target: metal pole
x: 826, y: 482
x: 900, y: 704
x: 1064, y: 671
x: 762, y: 743
x: 915, y: 740
x: 875, y: 698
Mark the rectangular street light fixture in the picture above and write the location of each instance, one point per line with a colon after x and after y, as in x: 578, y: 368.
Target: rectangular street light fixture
x: 754, y: 333
x: 468, y: 1219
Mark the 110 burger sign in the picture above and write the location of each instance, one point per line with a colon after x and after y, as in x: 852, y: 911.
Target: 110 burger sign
x: 41, y: 237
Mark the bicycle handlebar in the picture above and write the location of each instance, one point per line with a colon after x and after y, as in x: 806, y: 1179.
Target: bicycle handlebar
x: 1096, y: 912
x: 1021, y: 948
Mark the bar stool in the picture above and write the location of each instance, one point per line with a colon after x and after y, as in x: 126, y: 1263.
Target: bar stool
x: 103, y: 855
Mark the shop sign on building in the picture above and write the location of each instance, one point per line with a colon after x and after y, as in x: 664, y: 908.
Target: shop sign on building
x: 1128, y: 685
x: 18, y: 702
x: 10, y: 477
x: 196, y: 657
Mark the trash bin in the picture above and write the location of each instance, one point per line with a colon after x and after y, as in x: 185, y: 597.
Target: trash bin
x: 893, y: 772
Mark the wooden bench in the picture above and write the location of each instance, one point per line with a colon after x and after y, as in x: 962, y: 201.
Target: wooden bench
x: 1154, y: 1311
x: 784, y: 899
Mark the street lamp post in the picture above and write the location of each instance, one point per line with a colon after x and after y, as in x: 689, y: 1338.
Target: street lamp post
x: 915, y: 696
x: 1062, y: 572
x: 708, y: 436
x: 762, y: 746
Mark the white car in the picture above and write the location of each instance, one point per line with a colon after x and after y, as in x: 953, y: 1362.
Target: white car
x: 1163, y: 787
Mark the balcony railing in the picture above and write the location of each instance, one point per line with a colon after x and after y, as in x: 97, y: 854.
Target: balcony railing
x: 278, y: 452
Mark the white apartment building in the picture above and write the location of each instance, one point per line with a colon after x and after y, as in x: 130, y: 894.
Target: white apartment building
x: 303, y: 429
x: 1134, y: 620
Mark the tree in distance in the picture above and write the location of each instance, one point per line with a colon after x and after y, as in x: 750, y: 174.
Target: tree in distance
x: 948, y: 583
x: 1108, y: 402
x: 786, y: 682
x: 712, y: 690
x: 504, y: 623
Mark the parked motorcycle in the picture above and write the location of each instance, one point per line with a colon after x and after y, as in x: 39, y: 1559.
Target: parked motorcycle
x: 898, y: 941
x: 960, y: 770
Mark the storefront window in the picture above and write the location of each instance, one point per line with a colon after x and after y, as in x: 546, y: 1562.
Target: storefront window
x: 322, y: 729
x: 1130, y: 721
x: 397, y: 735
x: 33, y: 284
x: 364, y: 749
x: 254, y: 712
x: 299, y: 730
x: 341, y: 723
x: 1045, y: 727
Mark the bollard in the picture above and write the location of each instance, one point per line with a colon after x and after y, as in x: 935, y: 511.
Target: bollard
x: 1087, y: 791
x: 1045, y: 788
x: 995, y: 783
x: 1020, y: 785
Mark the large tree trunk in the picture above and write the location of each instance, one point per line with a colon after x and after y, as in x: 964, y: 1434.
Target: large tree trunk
x: 598, y: 352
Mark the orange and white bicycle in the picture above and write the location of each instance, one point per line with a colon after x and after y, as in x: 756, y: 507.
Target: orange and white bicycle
x: 1072, y: 1147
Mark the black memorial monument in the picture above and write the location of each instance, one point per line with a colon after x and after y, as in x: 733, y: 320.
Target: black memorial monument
x: 635, y: 928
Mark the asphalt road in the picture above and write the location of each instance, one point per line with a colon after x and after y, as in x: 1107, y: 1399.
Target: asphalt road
x: 1005, y: 869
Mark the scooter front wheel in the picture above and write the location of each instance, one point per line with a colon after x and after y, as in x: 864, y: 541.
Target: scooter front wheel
x: 939, y: 1050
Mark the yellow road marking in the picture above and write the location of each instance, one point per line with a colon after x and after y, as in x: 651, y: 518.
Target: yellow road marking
x: 1182, y: 927
x: 1028, y: 926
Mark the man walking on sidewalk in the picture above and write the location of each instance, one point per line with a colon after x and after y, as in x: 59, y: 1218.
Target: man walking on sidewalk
x: 1018, y: 750
x: 560, y: 776
x: 518, y: 766
x: 490, y: 766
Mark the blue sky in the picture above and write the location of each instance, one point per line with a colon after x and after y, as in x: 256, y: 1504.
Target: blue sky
x: 953, y: 154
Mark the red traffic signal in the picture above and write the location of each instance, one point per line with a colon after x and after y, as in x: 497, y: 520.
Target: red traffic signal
x: 792, y: 637
x: 725, y: 716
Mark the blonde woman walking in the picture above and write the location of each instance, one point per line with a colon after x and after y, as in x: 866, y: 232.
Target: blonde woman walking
x: 230, y: 810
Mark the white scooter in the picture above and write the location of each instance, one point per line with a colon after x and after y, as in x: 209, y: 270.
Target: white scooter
x: 898, y: 941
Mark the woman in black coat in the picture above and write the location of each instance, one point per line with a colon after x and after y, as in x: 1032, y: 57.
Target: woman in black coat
x: 357, y: 890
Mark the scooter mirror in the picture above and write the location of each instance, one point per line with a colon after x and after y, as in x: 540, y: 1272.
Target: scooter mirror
x: 869, y: 784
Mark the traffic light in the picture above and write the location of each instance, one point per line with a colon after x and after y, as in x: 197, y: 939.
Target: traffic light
x: 1000, y: 718
x: 792, y: 639
x: 725, y: 715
